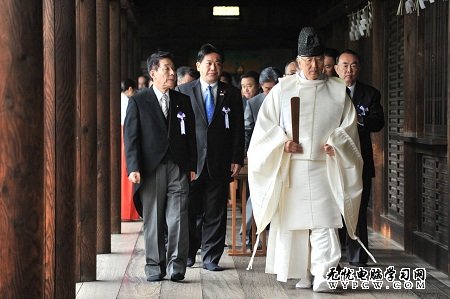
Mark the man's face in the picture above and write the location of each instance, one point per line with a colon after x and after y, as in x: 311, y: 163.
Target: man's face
x: 290, y: 69
x: 210, y: 68
x: 267, y: 86
x: 141, y: 82
x: 311, y: 66
x: 249, y: 88
x: 328, y: 66
x: 164, y: 77
x: 348, y: 68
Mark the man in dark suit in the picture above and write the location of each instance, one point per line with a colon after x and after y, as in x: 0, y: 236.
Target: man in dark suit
x: 220, y: 143
x: 370, y: 119
x: 161, y: 154
x: 267, y: 79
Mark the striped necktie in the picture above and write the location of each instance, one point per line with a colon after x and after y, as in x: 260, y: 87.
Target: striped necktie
x: 165, y: 104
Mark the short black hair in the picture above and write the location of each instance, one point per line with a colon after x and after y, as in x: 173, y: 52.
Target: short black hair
x: 331, y: 52
x: 182, y: 71
x: 127, y: 83
x: 227, y: 75
x: 348, y: 51
x: 154, y: 59
x: 208, y: 49
x: 251, y: 74
x: 194, y: 73
x: 143, y: 76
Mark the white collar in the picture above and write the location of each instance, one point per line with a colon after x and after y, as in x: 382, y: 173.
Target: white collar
x: 158, y: 93
x: 205, y: 85
x: 352, y: 89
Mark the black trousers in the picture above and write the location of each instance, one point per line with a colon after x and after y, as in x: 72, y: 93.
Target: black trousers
x: 355, y: 253
x: 207, y: 217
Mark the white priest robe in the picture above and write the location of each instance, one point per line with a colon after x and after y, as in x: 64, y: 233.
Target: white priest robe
x: 298, y: 192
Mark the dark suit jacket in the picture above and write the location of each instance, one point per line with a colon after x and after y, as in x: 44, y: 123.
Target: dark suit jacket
x: 150, y: 138
x: 368, y: 98
x: 250, y: 115
x: 217, y: 145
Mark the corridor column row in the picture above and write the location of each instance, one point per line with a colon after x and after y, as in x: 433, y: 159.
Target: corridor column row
x: 60, y: 70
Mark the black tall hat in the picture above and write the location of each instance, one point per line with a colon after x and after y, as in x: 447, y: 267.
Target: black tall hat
x: 309, y: 43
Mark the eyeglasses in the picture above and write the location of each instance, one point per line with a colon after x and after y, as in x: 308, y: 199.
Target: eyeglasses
x: 309, y: 60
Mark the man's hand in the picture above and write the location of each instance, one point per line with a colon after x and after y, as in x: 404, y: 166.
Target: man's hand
x: 192, y: 176
x: 135, y: 177
x: 235, y: 168
x: 329, y: 150
x: 293, y: 147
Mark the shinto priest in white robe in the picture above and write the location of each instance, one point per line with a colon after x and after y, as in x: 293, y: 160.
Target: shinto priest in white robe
x: 299, y: 192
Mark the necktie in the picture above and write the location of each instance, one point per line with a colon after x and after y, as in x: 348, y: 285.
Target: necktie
x: 209, y: 104
x: 349, y: 92
x: 165, y: 104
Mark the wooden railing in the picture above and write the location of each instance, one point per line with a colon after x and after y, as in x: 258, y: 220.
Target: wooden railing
x: 240, y: 183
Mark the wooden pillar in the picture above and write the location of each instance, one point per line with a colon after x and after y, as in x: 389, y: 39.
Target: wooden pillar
x: 136, y: 58
x: 138, y: 53
x: 130, y: 52
x: 59, y: 148
x: 22, y: 208
x: 379, y: 66
x: 103, y: 148
x: 86, y: 131
x: 114, y: 115
x: 123, y: 44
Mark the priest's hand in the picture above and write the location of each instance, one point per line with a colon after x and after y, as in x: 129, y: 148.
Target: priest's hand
x: 293, y: 147
x: 135, y: 177
x: 235, y: 168
x: 329, y: 150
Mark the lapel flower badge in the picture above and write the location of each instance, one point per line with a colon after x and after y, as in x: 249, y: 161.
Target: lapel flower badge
x: 361, y: 110
x: 181, y: 116
x: 226, y: 110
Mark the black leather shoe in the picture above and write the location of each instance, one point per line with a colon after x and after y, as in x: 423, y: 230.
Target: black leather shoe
x: 212, y: 267
x: 176, y: 277
x: 358, y: 264
x: 190, y: 262
x: 156, y: 277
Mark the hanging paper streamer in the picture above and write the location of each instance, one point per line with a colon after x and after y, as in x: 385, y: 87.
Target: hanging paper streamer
x: 411, y: 6
x: 360, y: 22
x: 182, y: 116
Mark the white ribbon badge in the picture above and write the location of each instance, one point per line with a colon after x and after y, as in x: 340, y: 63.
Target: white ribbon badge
x: 181, y: 116
x: 227, y: 122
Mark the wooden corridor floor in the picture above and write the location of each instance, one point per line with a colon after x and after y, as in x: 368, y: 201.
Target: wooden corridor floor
x: 121, y: 275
